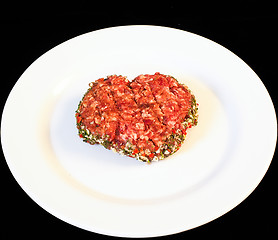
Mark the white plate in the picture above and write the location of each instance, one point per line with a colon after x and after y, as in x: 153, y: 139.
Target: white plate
x: 223, y: 160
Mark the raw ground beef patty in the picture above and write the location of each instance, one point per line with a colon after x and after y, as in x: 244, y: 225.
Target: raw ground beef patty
x: 146, y: 118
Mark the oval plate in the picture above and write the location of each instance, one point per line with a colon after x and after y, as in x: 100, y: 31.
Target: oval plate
x: 218, y: 166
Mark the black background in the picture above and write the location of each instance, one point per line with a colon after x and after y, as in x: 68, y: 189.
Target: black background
x: 28, y: 31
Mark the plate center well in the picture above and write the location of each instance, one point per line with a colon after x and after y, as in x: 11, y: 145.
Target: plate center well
x: 119, y: 176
